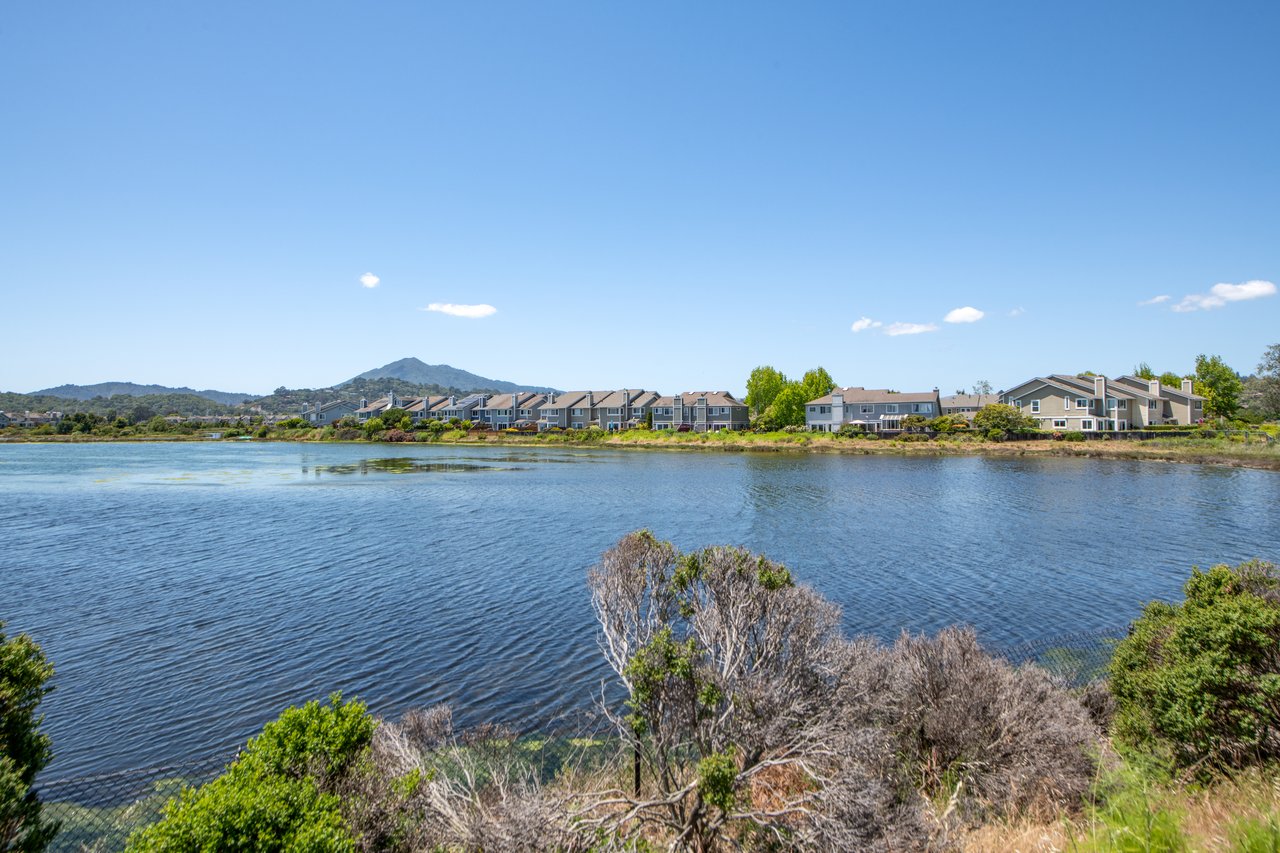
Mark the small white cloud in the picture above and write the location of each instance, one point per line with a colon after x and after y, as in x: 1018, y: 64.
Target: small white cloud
x: 369, y: 280
x: 473, y: 312
x: 1017, y: 312
x: 967, y: 314
x: 864, y: 323
x: 1156, y: 300
x: 1220, y: 294
x: 895, y: 329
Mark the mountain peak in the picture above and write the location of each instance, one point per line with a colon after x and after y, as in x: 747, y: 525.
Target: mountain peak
x: 415, y: 370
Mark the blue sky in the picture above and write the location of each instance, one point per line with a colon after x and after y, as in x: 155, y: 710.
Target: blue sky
x: 661, y: 195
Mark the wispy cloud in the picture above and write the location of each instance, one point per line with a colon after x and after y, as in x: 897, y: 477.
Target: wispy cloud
x: 967, y: 314
x: 864, y: 323
x: 1220, y: 294
x: 1018, y: 312
x: 473, y: 312
x: 369, y: 280
x: 1156, y: 300
x: 895, y: 329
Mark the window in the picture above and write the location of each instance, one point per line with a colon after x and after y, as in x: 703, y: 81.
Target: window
x: 1124, y: 404
x: 577, y: 412
x: 1059, y: 423
x: 867, y: 410
x: 1017, y: 404
x: 1111, y: 402
x: 1066, y: 403
x: 1198, y: 404
x: 1151, y: 404
x: 923, y: 408
x: 1082, y: 403
x: 891, y: 409
x: 1035, y: 406
x: 1086, y: 425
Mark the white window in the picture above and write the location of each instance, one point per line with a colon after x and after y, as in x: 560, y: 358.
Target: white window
x: 1035, y: 406
x: 1082, y: 403
x: 1066, y: 403
x: 867, y: 410
x: 1059, y: 423
x: 1198, y: 404
x: 1086, y: 425
x: 923, y: 408
x: 1111, y: 402
x: 891, y: 409
x: 1151, y: 404
x: 577, y: 412
x: 1124, y: 404
x: 1017, y: 404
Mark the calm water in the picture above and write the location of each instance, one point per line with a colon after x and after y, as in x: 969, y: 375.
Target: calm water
x: 189, y: 592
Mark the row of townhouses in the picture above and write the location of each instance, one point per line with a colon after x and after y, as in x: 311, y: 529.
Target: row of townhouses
x: 1058, y: 402
x: 29, y: 419
x: 696, y: 411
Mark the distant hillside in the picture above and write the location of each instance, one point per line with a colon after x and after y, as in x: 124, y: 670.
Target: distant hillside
x: 132, y: 389
x: 135, y: 407
x: 442, y: 375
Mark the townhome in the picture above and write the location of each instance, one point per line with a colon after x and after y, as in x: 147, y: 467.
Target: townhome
x: 1180, y: 406
x: 422, y: 408
x: 700, y: 411
x: 322, y: 414
x: 5, y: 420
x: 375, y: 409
x: 618, y: 410
x: 873, y: 409
x: 1094, y: 403
x: 503, y: 411
x: 464, y: 409
x: 967, y: 405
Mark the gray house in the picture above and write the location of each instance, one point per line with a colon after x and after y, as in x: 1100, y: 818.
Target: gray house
x: 875, y: 410
x: 503, y: 411
x: 967, y: 405
x: 700, y: 411
x: 323, y: 414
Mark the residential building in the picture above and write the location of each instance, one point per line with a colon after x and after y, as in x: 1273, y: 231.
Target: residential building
x: 423, y: 408
x: 875, y: 410
x: 625, y: 409
x: 1095, y: 403
x: 967, y: 405
x: 323, y: 414
x: 464, y: 409
x: 700, y: 411
x: 503, y: 411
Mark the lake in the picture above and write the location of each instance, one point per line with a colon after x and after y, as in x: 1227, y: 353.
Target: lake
x: 189, y: 592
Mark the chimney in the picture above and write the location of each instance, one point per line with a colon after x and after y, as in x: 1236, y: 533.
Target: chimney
x: 1188, y: 386
x: 591, y: 400
x: 1100, y: 387
x: 364, y: 402
x: 453, y: 401
x: 1153, y: 386
x: 551, y: 398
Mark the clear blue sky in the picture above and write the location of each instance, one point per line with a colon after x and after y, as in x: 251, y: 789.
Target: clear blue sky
x: 651, y: 194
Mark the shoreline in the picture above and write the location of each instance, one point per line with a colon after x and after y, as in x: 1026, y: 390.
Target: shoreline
x: 1181, y: 451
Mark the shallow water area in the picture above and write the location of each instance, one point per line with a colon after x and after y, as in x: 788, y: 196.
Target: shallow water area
x: 189, y: 592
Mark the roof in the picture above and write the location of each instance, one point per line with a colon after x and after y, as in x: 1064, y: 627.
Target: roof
x: 977, y: 401
x: 690, y: 399
x: 857, y: 394
x: 1164, y: 389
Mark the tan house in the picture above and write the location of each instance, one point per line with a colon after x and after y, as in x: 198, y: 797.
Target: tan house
x: 700, y: 411
x: 1096, y: 403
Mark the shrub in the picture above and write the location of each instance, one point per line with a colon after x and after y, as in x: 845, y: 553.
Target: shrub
x: 913, y: 436
x: 1074, y: 435
x: 1198, y: 683
x: 279, y: 794
x: 24, y: 751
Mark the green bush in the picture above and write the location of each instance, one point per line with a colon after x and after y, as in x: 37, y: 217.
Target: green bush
x: 24, y: 751
x: 1198, y: 683
x: 279, y: 793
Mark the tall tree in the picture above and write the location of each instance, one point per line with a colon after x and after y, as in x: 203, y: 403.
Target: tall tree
x: 1170, y: 379
x: 982, y: 386
x: 763, y: 386
x: 816, y: 383
x: 787, y: 409
x: 1219, y: 385
x: 24, y: 750
x: 1144, y: 371
x: 1269, y: 379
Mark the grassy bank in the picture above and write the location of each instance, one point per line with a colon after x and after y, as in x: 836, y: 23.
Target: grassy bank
x: 1231, y: 451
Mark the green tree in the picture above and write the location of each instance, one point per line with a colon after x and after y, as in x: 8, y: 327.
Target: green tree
x: 998, y: 421
x: 763, y: 386
x: 24, y: 751
x: 1198, y: 683
x: 816, y: 383
x: 1170, y: 380
x: 1144, y: 371
x: 1269, y: 382
x: 787, y: 409
x: 982, y: 386
x: 373, y: 426
x: 1219, y: 385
